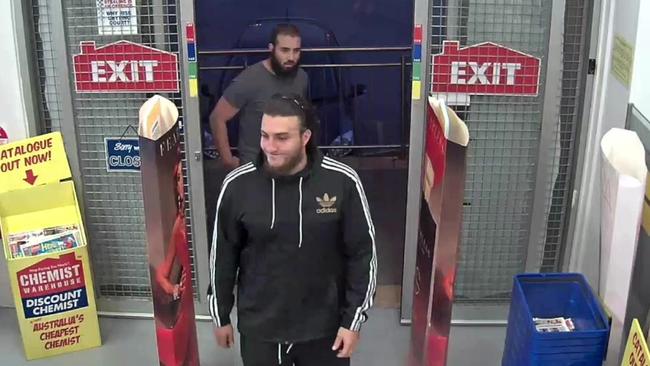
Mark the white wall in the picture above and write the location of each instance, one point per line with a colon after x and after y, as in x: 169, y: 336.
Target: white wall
x: 640, y: 95
x: 13, y: 118
x: 608, y: 109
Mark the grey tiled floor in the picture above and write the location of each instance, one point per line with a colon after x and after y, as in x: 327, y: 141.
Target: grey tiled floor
x: 129, y: 342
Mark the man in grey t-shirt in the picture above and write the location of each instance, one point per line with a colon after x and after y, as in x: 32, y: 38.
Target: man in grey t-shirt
x: 250, y: 90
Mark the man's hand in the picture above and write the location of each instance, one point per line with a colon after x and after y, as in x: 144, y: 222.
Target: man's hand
x: 225, y: 336
x: 346, y: 343
x: 221, y: 114
x: 231, y: 163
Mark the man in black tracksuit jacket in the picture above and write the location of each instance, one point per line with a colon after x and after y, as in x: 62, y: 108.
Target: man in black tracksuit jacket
x: 297, y: 227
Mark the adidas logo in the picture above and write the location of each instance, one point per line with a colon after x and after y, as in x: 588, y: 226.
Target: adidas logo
x: 326, y: 204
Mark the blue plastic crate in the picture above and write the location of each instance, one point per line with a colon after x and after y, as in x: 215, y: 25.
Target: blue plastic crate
x: 564, y: 361
x: 549, y: 296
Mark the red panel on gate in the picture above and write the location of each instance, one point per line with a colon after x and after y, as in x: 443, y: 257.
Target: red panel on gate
x: 124, y: 66
x: 484, y: 69
x: 189, y: 32
x: 417, y: 34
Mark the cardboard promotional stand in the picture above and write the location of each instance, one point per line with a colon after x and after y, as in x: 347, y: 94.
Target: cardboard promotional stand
x: 638, y: 304
x: 170, y: 265
x: 46, y: 248
x: 443, y: 182
x: 623, y: 184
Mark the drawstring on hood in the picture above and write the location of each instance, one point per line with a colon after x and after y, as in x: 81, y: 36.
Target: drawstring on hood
x: 280, y: 352
x: 272, y: 203
x: 299, y: 208
x: 300, y: 211
x: 313, y: 160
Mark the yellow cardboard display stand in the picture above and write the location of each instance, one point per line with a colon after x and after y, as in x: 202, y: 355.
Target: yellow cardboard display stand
x: 51, y: 281
x: 636, y: 349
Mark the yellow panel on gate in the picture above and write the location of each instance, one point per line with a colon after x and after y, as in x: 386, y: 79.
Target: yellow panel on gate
x: 53, y: 290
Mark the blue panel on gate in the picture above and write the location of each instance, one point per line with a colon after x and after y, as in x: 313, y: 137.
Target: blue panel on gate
x: 191, y: 51
x: 122, y: 154
x: 417, y: 52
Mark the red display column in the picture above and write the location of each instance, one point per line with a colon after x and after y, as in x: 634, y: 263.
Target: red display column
x: 169, y: 255
x: 443, y: 183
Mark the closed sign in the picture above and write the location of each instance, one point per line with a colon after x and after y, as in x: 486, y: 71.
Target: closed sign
x: 122, y: 154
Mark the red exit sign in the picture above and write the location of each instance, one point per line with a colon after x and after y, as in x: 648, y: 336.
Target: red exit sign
x: 124, y: 66
x: 484, y: 69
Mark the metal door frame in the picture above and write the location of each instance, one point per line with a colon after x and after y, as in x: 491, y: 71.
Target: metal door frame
x: 194, y: 151
x: 572, y: 260
x: 480, y: 314
x: 550, y: 118
x: 421, y: 16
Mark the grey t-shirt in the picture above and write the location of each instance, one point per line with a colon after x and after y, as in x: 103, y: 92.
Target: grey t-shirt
x: 249, y: 92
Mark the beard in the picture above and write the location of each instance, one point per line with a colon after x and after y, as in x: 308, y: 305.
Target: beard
x: 282, y: 71
x: 287, y: 167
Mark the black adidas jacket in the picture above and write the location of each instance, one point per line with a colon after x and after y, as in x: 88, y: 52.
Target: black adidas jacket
x: 304, y: 247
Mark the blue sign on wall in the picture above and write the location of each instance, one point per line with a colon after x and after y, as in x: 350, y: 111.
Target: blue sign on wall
x: 122, y: 154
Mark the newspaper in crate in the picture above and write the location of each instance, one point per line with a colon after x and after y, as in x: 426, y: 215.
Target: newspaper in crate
x: 44, y: 241
x: 117, y: 17
x: 550, y: 325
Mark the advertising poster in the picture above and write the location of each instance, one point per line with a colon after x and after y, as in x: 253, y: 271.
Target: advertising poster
x: 636, y: 349
x: 46, y: 249
x: 55, y: 296
x: 117, y: 17
x: 169, y: 254
x: 443, y: 183
x: 638, y: 304
x: 623, y: 184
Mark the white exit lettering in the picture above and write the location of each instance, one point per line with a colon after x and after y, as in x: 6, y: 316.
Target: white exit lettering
x: 479, y: 72
x: 117, y: 71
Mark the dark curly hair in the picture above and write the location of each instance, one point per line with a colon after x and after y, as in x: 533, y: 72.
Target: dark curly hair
x: 293, y: 105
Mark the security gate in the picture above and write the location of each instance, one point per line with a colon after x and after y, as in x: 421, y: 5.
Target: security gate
x: 521, y: 153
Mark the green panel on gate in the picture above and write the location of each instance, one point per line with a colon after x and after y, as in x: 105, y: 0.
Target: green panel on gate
x: 192, y: 70
x: 417, y: 70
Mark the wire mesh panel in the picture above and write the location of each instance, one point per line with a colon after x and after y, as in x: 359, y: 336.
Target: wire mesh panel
x: 121, y: 52
x: 49, y: 104
x: 504, y: 131
x: 559, y: 185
